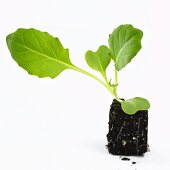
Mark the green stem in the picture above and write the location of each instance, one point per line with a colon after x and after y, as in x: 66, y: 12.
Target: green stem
x: 112, y: 90
x: 116, y: 77
x: 115, y: 86
x: 96, y: 78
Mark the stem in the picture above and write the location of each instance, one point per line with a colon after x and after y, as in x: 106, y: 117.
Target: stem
x: 96, y: 78
x: 112, y: 90
x: 115, y: 86
x: 116, y: 77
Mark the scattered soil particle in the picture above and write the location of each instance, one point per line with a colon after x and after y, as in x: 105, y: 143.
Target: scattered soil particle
x: 133, y: 162
x: 125, y: 159
x: 128, y: 134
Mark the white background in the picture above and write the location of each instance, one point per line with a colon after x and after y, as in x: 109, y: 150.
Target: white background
x: 61, y: 124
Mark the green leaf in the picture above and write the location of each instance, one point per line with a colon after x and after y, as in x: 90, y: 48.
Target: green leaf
x: 38, y: 52
x: 98, y: 60
x: 125, y: 43
x: 131, y: 106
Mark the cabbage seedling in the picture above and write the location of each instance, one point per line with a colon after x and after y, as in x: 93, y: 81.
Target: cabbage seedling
x: 43, y: 55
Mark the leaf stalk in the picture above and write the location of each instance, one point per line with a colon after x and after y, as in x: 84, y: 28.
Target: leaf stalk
x: 110, y: 88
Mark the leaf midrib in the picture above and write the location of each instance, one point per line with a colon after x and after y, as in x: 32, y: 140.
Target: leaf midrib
x: 102, y: 70
x: 125, y: 46
x: 48, y: 57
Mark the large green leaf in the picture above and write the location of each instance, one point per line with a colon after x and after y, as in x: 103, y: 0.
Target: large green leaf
x: 125, y: 43
x: 98, y: 60
x: 131, y: 106
x: 38, y: 52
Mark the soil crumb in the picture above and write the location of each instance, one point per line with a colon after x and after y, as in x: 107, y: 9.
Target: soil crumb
x: 125, y: 159
x: 133, y: 162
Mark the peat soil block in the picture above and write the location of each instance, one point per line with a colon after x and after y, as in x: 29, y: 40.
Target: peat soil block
x: 128, y: 134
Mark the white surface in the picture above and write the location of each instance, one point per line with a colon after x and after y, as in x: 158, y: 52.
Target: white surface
x: 61, y: 124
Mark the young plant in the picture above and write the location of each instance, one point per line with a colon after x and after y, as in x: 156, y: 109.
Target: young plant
x: 43, y: 55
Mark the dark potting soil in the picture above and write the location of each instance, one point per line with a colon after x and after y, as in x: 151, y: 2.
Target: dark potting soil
x: 127, y: 133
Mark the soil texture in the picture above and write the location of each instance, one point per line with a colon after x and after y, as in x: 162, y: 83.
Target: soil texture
x: 128, y: 134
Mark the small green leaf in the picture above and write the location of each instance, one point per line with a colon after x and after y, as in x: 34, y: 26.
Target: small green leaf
x: 38, y: 52
x: 98, y: 60
x: 131, y: 106
x: 125, y: 43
